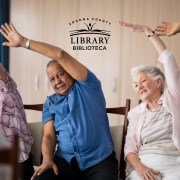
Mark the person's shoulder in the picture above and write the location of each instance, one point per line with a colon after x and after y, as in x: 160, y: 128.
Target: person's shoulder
x: 11, y: 83
x: 50, y: 99
x: 90, y: 74
x: 92, y: 81
x: 135, y: 113
x: 138, y: 109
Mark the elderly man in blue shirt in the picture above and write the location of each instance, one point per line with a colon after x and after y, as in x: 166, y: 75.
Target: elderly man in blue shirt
x: 77, y: 113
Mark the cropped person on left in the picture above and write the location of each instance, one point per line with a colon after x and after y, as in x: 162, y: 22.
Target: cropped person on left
x: 13, y: 120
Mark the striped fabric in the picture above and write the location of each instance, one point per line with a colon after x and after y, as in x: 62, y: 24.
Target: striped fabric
x: 156, y: 133
x: 13, y: 118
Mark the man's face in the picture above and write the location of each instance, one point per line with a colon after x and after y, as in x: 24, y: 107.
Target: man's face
x: 60, y: 80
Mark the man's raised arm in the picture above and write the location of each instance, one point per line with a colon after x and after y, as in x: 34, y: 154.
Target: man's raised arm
x: 77, y: 70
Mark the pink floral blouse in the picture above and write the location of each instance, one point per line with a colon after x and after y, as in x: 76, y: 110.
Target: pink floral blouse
x: 13, y: 118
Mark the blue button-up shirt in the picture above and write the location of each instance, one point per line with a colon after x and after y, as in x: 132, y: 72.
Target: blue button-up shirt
x: 81, y: 121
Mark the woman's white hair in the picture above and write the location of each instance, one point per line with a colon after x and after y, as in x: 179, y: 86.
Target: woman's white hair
x: 152, y: 71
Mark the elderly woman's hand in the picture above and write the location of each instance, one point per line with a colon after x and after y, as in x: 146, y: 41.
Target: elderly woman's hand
x: 10, y: 33
x: 168, y: 29
x: 134, y: 27
x: 147, y: 173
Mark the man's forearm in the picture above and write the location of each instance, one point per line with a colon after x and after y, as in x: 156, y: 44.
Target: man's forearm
x: 48, y: 148
x: 47, y: 50
x: 77, y: 70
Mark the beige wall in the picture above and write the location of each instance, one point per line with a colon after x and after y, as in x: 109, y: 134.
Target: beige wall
x: 48, y: 21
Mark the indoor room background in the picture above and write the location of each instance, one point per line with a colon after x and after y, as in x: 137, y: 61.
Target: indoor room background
x: 51, y: 21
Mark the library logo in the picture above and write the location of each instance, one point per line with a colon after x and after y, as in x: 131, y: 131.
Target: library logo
x: 89, y: 38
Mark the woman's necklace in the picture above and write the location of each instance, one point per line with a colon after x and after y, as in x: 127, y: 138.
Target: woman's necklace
x: 154, y: 108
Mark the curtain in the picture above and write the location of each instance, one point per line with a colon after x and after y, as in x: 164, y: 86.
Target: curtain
x: 4, y: 18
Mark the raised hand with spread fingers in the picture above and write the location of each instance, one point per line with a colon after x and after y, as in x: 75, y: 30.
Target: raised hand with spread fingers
x: 10, y: 33
x: 168, y: 29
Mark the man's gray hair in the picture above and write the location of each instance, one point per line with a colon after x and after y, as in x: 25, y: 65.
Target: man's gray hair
x: 152, y: 71
x: 51, y: 62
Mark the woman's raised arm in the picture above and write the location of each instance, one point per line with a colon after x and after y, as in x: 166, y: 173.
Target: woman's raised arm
x: 159, y: 45
x: 77, y: 70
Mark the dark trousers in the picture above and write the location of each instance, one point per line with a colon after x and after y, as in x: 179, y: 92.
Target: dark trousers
x: 105, y: 170
x: 26, y: 169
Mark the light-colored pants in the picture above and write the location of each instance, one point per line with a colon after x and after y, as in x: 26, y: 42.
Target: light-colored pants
x: 169, y: 166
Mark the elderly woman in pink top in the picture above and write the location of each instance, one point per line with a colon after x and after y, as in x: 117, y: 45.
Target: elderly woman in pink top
x: 153, y: 139
x: 13, y: 120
